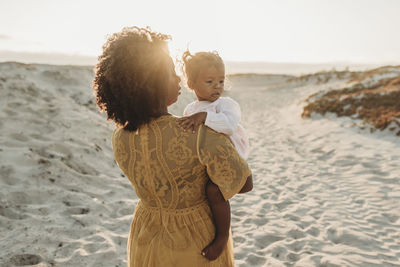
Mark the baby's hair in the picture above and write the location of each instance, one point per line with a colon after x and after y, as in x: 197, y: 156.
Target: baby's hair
x: 193, y: 63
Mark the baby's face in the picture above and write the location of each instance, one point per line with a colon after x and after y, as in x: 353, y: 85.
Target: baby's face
x: 209, y: 84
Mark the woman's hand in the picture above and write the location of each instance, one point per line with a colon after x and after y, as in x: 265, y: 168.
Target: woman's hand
x: 192, y: 121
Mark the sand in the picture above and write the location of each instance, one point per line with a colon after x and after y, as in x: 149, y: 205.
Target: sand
x: 326, y: 193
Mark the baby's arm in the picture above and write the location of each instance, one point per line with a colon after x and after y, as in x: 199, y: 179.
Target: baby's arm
x: 227, y: 120
x: 193, y: 121
x: 222, y: 122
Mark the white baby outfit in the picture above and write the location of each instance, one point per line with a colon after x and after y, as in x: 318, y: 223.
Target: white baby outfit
x: 223, y: 116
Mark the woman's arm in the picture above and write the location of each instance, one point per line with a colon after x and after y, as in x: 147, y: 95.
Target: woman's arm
x: 223, y: 164
x: 248, y: 186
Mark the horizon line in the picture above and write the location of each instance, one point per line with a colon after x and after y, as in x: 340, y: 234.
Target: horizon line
x: 59, y: 58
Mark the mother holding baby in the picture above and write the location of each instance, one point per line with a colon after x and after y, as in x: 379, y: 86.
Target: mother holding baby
x: 135, y: 82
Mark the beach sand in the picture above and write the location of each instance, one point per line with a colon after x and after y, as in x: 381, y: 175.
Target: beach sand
x: 326, y: 192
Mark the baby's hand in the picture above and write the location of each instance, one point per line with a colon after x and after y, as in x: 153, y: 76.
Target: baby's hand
x: 192, y: 121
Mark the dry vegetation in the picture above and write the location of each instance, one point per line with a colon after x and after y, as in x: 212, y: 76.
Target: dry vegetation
x: 375, y: 102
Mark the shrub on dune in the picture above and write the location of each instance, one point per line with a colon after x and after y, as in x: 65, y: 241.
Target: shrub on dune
x: 376, y: 103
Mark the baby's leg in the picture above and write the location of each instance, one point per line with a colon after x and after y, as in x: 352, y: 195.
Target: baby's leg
x: 221, y: 212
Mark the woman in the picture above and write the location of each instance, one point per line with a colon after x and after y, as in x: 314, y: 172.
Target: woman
x: 135, y: 82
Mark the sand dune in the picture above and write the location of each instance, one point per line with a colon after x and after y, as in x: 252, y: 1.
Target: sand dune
x: 326, y: 193
x: 372, y: 97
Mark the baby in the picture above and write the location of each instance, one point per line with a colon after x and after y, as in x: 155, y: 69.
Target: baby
x: 205, y: 74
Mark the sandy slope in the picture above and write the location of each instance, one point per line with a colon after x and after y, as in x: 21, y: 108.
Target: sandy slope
x: 61, y: 196
x: 325, y: 193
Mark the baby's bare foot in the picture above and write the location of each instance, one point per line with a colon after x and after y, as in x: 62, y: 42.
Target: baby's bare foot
x: 214, y: 249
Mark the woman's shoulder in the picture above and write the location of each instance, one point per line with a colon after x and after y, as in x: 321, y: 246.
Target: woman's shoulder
x: 162, y: 120
x: 117, y: 131
x: 165, y: 118
x: 119, y: 136
x: 207, y: 135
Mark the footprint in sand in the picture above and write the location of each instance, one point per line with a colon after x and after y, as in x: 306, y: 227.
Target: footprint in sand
x: 349, y: 237
x: 18, y: 137
x: 314, y: 231
x: 34, y: 197
x: 6, y: 175
x: 77, y: 211
x: 14, y: 105
x: 279, y: 252
x: 293, y: 257
x: 25, y: 259
x: 79, y: 167
x: 255, y: 260
x: 125, y: 211
x: 296, y: 234
x: 291, y: 217
x: 282, y: 205
x: 264, y: 240
x: 10, y: 214
x: 391, y: 217
x: 297, y: 245
x: 10, y: 112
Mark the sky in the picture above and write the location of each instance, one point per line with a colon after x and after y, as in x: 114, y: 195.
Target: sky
x: 298, y: 31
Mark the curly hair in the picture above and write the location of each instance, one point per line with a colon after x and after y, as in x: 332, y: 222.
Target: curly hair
x: 130, y: 76
x: 193, y: 63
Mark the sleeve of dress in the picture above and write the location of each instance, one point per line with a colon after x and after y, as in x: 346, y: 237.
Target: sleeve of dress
x: 226, y: 121
x: 225, y: 167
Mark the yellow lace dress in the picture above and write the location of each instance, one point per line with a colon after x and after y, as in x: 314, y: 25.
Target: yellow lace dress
x: 168, y: 169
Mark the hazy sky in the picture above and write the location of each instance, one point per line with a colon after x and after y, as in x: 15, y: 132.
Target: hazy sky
x: 306, y: 31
